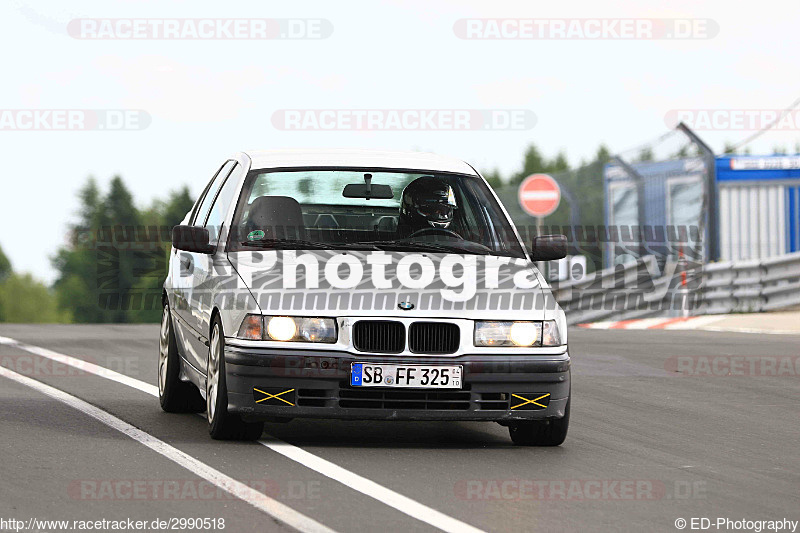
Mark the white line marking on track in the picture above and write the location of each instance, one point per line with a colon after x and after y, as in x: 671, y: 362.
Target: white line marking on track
x: 260, y: 501
x: 86, y: 366
x: 352, y: 480
x: 369, y: 488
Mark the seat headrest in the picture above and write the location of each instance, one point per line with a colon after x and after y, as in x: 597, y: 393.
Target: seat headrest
x: 279, y: 217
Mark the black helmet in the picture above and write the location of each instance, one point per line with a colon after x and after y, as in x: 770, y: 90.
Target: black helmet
x: 427, y: 202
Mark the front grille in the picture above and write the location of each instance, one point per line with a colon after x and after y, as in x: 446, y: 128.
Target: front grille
x: 360, y: 398
x: 433, y: 337
x: 379, y: 336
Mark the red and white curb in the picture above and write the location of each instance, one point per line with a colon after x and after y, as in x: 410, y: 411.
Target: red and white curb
x: 706, y: 323
x: 692, y: 322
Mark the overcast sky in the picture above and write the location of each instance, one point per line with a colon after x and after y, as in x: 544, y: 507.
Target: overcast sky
x: 209, y: 98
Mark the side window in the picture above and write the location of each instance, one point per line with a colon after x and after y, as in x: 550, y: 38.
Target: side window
x: 216, y: 216
x: 211, y: 193
x: 202, y: 197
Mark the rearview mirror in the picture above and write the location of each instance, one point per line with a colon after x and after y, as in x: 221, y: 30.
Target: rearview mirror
x: 368, y: 190
x: 191, y: 239
x: 549, y: 247
x: 363, y: 190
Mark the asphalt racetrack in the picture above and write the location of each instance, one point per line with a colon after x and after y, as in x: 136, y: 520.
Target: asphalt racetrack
x: 665, y: 425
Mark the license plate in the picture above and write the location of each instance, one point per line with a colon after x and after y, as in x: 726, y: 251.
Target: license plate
x: 405, y: 376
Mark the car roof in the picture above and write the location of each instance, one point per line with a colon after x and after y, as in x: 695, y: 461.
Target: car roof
x: 358, y: 159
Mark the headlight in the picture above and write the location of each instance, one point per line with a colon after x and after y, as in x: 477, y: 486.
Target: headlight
x: 287, y: 328
x: 281, y: 328
x: 317, y: 329
x: 517, y: 333
x: 507, y: 333
x: 524, y: 333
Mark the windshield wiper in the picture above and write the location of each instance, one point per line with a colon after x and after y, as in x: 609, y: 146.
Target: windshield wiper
x: 302, y: 244
x: 427, y: 246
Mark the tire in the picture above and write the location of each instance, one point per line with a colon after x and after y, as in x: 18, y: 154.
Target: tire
x: 175, y: 396
x: 540, y: 432
x: 223, y: 425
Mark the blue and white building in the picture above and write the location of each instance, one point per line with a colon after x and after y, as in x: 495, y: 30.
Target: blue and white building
x: 759, y: 206
x: 757, y: 201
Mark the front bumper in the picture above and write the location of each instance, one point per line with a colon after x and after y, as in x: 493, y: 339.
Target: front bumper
x: 269, y: 383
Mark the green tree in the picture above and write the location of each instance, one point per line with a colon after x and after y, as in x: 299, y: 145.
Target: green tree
x: 493, y: 178
x: 645, y: 154
x: 682, y: 153
x: 159, y: 220
x: 532, y: 163
x: 5, y: 265
x: 32, y: 301
x: 175, y: 208
x: 584, y: 185
x: 559, y: 164
x: 76, y: 284
x: 105, y: 273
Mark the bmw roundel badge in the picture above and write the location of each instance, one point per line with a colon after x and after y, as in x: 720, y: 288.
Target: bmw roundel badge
x: 406, y: 306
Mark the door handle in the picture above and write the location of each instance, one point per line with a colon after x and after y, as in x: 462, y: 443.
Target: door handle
x: 187, y: 265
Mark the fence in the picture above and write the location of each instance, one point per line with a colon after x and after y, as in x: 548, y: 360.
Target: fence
x: 667, y: 182
x: 642, y: 289
x: 751, y: 286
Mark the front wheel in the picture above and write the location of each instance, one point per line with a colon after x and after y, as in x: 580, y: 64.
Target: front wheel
x: 540, y: 432
x: 223, y: 425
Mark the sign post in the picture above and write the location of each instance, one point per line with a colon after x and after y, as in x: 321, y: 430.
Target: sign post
x: 539, y: 196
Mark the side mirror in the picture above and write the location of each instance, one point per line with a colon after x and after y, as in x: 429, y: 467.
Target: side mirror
x: 191, y: 239
x: 549, y: 247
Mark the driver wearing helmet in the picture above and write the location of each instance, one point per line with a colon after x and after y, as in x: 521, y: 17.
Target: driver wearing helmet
x: 427, y: 203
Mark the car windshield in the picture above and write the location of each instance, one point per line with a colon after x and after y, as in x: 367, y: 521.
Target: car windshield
x: 371, y: 210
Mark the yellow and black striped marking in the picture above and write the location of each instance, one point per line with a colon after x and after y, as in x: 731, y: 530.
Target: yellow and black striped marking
x: 274, y: 396
x: 531, y: 401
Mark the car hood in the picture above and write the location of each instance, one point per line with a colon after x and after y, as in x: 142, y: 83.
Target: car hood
x: 395, y: 284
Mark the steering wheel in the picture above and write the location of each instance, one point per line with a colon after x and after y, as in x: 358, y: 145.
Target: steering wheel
x: 425, y: 231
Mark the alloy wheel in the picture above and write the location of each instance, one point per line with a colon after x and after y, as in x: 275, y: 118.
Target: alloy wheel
x: 212, y: 380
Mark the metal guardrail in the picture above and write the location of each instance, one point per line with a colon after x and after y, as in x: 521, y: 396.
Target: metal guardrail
x: 640, y: 289
x: 750, y: 286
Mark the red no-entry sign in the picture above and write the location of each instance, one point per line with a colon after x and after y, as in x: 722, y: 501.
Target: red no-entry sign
x: 539, y: 195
